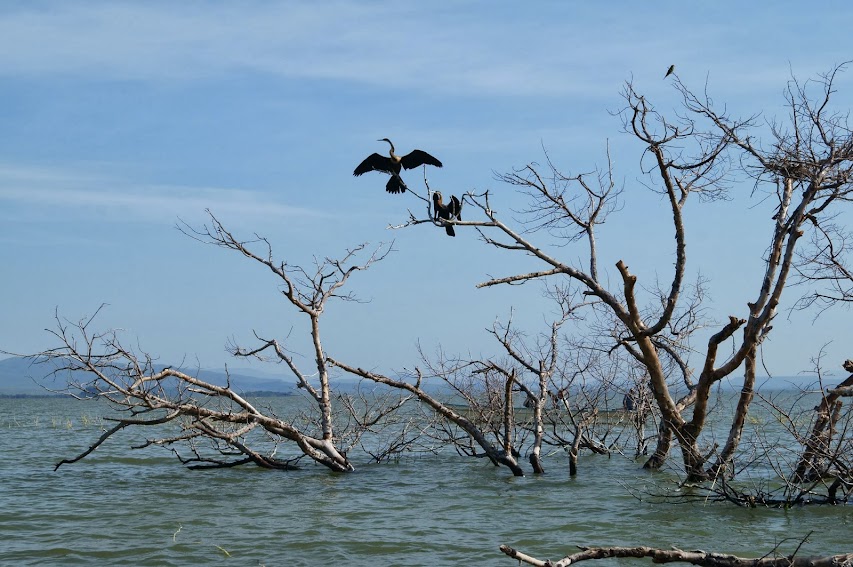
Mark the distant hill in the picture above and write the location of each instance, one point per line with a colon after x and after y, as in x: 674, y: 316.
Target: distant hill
x: 21, y: 377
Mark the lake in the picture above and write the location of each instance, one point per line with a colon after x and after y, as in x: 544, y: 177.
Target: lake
x: 142, y: 507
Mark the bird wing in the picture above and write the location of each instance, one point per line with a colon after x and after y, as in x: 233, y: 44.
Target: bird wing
x: 374, y: 162
x: 417, y: 158
x: 456, y: 207
x: 443, y: 212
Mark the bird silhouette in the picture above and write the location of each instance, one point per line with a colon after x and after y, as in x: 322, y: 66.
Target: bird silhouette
x: 392, y: 164
x: 451, y: 210
x: 669, y: 71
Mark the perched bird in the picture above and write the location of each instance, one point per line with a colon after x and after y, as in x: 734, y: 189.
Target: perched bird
x: 451, y: 210
x: 669, y: 71
x: 393, y: 164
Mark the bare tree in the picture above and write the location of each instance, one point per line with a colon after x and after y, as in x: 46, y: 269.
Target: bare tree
x: 805, y: 167
x: 536, y: 394
x: 541, y: 362
x: 216, y: 417
x: 489, y: 424
x: 646, y: 330
x: 813, y: 456
x: 376, y: 422
x: 476, y: 435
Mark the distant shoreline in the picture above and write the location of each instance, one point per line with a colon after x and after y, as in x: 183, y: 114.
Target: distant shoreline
x: 255, y: 394
x: 21, y: 396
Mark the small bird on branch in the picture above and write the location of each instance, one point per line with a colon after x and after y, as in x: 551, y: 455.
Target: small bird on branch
x: 451, y: 210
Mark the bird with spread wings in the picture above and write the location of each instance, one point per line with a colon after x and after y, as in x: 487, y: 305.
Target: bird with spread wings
x: 392, y: 164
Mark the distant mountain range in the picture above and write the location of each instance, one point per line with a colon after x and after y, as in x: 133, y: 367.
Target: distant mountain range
x: 21, y: 377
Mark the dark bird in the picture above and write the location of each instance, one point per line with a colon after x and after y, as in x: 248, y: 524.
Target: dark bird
x: 452, y: 210
x: 393, y: 164
x: 669, y: 71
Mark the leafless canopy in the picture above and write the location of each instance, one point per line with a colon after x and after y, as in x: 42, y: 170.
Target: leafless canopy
x: 213, y: 423
x: 802, y: 162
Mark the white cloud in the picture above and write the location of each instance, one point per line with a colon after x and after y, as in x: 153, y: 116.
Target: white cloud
x: 73, y: 191
x: 471, y: 49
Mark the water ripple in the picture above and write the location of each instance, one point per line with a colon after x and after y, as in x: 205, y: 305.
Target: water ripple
x: 143, y: 508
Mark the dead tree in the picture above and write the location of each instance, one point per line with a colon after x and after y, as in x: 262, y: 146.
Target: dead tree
x: 540, y: 361
x: 798, y: 451
x: 827, y: 446
x: 506, y: 405
x: 377, y: 423
x: 478, y: 435
x: 589, y: 410
x: 490, y: 424
x: 805, y: 168
x: 500, y: 408
x: 216, y: 425
x: 814, y: 459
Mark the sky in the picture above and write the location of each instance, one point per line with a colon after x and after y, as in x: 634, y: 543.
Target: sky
x: 119, y: 120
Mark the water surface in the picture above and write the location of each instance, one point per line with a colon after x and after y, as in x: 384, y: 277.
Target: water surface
x: 142, y: 507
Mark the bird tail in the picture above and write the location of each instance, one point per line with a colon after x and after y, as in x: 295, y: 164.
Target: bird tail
x: 454, y: 212
x: 395, y: 184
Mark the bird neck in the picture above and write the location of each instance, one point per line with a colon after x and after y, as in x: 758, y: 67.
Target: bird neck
x: 391, y: 153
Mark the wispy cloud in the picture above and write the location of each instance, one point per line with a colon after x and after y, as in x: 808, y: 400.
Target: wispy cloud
x: 474, y: 48
x: 376, y: 43
x: 74, y: 193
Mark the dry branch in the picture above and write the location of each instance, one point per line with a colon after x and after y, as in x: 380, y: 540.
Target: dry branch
x: 698, y: 557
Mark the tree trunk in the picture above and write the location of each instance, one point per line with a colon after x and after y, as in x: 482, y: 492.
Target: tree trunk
x: 664, y: 444
x: 820, y: 437
x: 724, y: 460
x: 573, y: 451
x: 539, y: 429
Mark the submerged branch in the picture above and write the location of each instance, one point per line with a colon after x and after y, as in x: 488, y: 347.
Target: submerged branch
x: 675, y: 555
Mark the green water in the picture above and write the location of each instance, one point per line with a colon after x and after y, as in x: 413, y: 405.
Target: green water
x: 121, y: 506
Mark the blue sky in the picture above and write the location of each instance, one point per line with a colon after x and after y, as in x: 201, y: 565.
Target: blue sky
x: 119, y: 118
